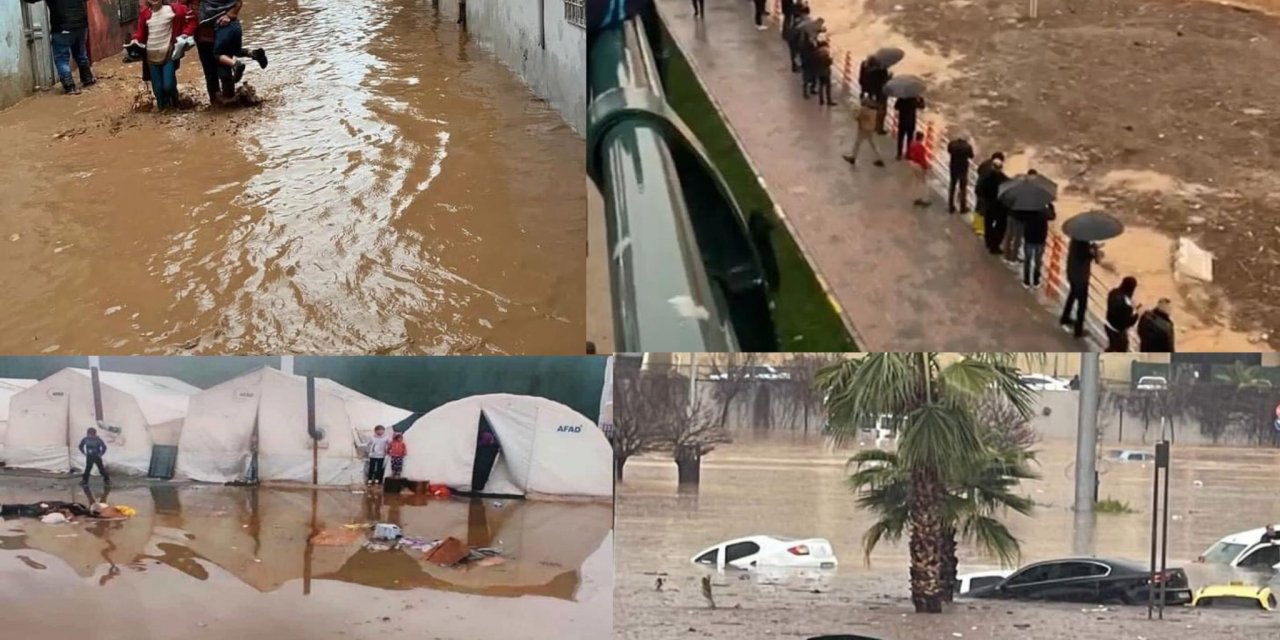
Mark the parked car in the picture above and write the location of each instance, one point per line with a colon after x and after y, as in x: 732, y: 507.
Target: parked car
x: 1096, y: 580
x: 765, y: 550
x: 967, y: 582
x: 1244, y: 549
x: 1235, y: 595
x: 1132, y: 456
x: 758, y: 372
x: 1152, y: 383
x: 1042, y: 382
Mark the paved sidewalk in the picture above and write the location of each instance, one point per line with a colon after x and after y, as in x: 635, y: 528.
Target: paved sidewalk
x: 909, y: 279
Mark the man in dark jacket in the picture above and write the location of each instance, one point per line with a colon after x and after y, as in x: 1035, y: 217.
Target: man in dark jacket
x: 1122, y: 313
x: 990, y: 176
x: 961, y: 154
x: 907, y: 109
x: 1035, y: 233
x: 878, y: 76
x: 69, y: 38
x: 1155, y: 329
x: 795, y: 34
x: 1080, y: 258
x: 788, y: 9
x: 93, y: 449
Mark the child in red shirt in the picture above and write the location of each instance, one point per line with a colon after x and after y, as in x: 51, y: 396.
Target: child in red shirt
x: 397, y: 450
x: 918, y: 156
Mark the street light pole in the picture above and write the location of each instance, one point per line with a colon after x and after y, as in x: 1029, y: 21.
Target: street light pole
x: 1087, y: 434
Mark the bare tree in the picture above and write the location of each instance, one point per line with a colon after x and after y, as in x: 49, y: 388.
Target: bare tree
x: 1002, y: 427
x: 634, y: 430
x: 733, y: 373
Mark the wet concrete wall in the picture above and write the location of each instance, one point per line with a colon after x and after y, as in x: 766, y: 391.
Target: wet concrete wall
x: 534, y: 38
x: 16, y: 80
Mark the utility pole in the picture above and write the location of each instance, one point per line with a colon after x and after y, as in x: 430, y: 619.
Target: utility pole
x: 693, y: 380
x: 1087, y: 434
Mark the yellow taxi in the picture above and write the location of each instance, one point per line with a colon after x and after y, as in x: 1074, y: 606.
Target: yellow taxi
x: 1235, y: 595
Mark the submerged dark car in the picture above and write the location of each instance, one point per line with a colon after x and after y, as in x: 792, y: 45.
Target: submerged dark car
x: 1096, y: 580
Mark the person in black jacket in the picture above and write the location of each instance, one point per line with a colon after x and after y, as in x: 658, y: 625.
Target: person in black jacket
x: 1035, y: 233
x: 993, y: 214
x: 1122, y: 314
x: 1080, y: 258
x: 795, y: 34
x: 907, y: 109
x: 878, y: 76
x: 788, y: 9
x: 69, y: 38
x: 1155, y: 329
x: 823, y: 58
x: 961, y: 154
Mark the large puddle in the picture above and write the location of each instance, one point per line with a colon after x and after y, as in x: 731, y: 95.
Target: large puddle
x: 221, y: 562
x: 400, y: 191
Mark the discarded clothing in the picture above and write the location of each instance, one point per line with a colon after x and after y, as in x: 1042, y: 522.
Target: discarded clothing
x: 40, y: 509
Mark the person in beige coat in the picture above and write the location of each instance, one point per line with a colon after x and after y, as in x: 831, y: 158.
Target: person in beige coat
x: 865, y: 117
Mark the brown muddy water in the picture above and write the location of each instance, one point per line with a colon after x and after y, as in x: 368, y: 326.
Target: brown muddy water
x: 794, y: 487
x: 223, y: 562
x: 399, y: 191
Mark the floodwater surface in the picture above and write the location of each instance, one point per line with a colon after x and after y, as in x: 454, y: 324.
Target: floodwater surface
x: 795, y: 487
x: 224, y: 562
x: 398, y: 191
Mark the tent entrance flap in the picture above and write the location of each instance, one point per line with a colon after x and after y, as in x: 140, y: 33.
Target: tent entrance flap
x: 487, y: 450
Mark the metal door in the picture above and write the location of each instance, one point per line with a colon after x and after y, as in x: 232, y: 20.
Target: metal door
x: 35, y: 26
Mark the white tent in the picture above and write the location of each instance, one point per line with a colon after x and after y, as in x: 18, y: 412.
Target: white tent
x: 48, y: 419
x: 546, y: 448
x: 8, y: 387
x: 218, y: 436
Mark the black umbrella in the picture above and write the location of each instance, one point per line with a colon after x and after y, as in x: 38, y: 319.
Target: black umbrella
x: 1028, y: 192
x: 904, y: 87
x: 1093, y: 226
x: 888, y: 56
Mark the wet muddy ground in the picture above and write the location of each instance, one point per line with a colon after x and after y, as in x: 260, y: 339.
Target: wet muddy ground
x: 398, y: 191
x: 1159, y: 110
x: 202, y: 561
x: 793, y: 487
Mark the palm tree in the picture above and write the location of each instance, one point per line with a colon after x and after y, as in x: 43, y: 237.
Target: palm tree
x: 939, y: 442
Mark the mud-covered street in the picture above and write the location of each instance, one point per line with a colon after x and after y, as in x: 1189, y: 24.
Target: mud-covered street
x: 793, y: 487
x: 397, y: 191
x: 200, y: 561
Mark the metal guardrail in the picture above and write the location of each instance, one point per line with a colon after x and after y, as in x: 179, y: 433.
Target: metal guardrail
x: 684, y: 275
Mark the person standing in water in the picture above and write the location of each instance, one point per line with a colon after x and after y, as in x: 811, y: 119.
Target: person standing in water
x: 377, y: 447
x: 160, y: 24
x: 228, y: 39
x: 93, y: 449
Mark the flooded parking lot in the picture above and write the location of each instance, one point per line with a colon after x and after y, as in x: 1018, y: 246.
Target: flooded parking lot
x: 202, y: 561
x: 794, y: 487
x: 398, y: 191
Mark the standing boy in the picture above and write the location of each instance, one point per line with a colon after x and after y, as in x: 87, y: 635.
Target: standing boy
x: 93, y: 449
x: 378, y: 445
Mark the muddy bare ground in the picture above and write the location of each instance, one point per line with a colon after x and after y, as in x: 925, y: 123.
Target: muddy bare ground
x: 201, y: 561
x: 1180, y: 90
x: 397, y: 191
x: 794, y: 487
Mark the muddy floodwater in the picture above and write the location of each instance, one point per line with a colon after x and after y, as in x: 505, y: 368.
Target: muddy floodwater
x: 225, y: 562
x: 793, y: 487
x: 398, y: 191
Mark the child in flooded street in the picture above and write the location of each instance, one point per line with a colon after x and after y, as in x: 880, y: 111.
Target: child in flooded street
x: 397, y: 450
x: 221, y: 42
x: 161, y: 24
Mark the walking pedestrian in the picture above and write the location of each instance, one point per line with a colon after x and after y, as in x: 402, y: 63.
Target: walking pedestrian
x: 1035, y: 235
x: 988, y: 191
x: 907, y: 109
x: 228, y: 38
x: 69, y: 39
x: 699, y: 8
x: 377, y: 449
x: 865, y: 131
x: 1122, y: 314
x: 1155, y: 329
x: 94, y: 449
x: 161, y: 25
x: 960, y: 153
x: 918, y: 156
x: 823, y: 59
x: 760, y: 14
x: 1080, y: 258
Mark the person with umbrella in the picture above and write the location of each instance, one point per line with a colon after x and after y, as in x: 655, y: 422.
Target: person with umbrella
x: 988, y: 193
x: 960, y: 153
x: 878, y: 75
x: 1155, y: 329
x: 908, y: 92
x: 1122, y: 313
x: 1080, y: 258
x: 1023, y: 196
x: 1035, y: 234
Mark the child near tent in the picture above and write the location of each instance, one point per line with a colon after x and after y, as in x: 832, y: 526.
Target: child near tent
x: 377, y: 455
x: 397, y: 450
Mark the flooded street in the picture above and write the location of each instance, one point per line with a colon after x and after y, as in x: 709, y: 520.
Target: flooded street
x: 794, y: 487
x: 226, y: 562
x: 398, y: 191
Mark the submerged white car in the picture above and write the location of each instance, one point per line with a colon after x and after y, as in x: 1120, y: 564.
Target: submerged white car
x: 1042, y: 382
x: 1244, y: 549
x: 966, y: 582
x: 769, y: 551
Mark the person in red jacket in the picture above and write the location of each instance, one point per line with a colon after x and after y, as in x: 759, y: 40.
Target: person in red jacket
x: 397, y: 450
x: 161, y: 24
x: 918, y: 156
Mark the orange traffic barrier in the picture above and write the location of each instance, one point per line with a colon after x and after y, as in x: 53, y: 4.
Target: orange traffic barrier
x: 1055, y: 267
